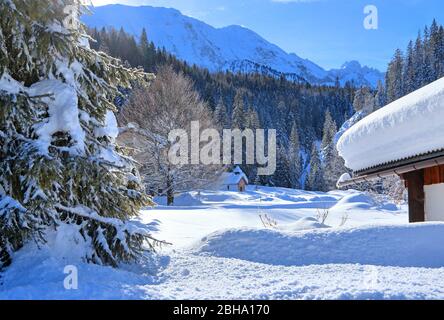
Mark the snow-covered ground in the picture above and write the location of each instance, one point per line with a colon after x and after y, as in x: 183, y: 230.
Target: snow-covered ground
x: 220, y: 250
x: 196, y: 215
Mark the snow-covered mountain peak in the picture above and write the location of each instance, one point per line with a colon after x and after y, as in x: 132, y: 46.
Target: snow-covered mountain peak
x: 352, y: 65
x: 234, y: 48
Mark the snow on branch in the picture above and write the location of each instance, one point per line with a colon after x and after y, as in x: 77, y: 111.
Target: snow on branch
x: 131, y: 227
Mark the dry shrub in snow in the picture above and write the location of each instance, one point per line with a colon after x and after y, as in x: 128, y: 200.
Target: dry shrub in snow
x: 170, y: 103
x: 268, y: 222
x: 322, y: 215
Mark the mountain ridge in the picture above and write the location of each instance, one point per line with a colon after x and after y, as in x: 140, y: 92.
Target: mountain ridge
x: 232, y: 48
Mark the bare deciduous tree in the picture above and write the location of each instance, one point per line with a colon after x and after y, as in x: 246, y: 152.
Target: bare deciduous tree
x: 170, y: 103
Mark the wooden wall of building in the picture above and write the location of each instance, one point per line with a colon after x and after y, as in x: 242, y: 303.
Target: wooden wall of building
x: 434, y: 175
x: 415, y: 182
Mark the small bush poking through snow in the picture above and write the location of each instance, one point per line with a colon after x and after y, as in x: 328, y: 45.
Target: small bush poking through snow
x: 322, y: 215
x: 268, y: 222
x: 344, y: 219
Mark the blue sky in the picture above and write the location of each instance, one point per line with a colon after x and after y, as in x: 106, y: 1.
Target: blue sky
x: 328, y: 32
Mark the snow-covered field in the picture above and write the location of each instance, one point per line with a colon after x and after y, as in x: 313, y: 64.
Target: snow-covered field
x: 221, y: 250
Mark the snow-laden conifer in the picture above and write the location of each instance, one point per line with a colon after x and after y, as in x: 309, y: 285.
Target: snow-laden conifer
x: 58, y: 160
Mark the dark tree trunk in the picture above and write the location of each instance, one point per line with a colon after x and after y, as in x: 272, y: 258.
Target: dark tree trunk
x: 170, y: 191
x: 170, y: 198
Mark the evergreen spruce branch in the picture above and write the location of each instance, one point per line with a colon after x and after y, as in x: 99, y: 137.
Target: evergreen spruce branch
x: 42, y: 49
x: 114, y: 239
x: 15, y: 226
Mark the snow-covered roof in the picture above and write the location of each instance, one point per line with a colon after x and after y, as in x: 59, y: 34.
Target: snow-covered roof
x: 230, y: 178
x: 406, y: 128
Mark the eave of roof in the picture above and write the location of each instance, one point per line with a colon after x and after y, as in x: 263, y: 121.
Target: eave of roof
x: 397, y: 168
x: 235, y: 183
x: 402, y: 162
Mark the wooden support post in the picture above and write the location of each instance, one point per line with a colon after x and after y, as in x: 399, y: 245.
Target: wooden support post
x: 415, y: 182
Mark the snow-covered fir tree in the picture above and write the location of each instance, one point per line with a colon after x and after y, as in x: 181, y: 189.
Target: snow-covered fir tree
x: 409, y: 69
x: 281, y: 177
x: 59, y: 164
x: 220, y: 114
x: 364, y: 101
x: 329, y: 132
x: 333, y: 164
x: 315, y: 179
x: 294, y: 158
x: 394, y: 79
x: 253, y: 121
x: 428, y: 73
x: 380, y: 96
x: 418, y: 57
x: 238, y: 115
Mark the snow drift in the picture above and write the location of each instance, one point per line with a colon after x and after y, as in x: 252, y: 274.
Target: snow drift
x: 362, y: 201
x: 401, y: 246
x: 410, y: 126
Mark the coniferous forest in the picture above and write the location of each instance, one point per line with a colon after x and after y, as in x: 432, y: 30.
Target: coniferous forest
x: 257, y: 101
x: 421, y: 63
x: 313, y: 113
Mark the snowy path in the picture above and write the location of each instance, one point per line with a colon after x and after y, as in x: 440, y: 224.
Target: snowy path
x: 221, y: 251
